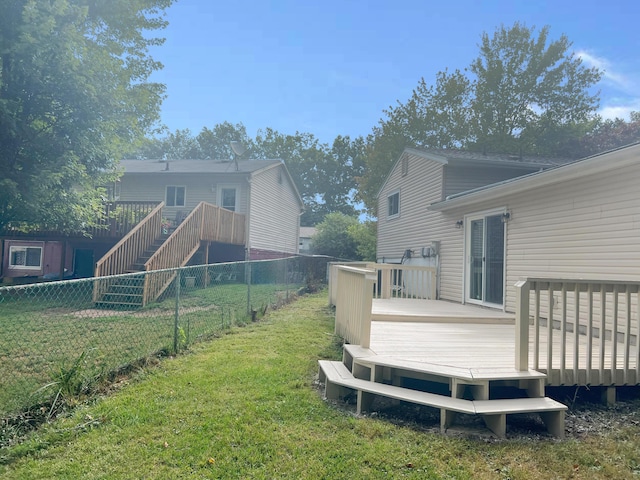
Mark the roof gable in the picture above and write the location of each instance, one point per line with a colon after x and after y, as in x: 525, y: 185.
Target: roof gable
x: 592, y: 165
x: 463, y: 158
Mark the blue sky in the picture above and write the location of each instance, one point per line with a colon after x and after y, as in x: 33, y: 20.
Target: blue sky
x: 330, y: 67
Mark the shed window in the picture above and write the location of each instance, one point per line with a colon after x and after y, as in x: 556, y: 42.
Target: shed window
x: 228, y: 198
x: 25, y: 257
x: 175, y: 196
x: 394, y: 204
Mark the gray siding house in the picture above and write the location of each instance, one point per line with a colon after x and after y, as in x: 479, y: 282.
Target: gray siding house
x: 487, y: 221
x: 262, y: 190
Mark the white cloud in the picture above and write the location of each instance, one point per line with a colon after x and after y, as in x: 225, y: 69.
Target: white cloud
x: 619, y: 90
x: 617, y: 79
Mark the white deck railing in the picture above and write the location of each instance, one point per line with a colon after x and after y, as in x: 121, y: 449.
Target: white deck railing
x: 353, y: 286
x: 579, y: 331
x: 405, y: 281
x: 353, y: 303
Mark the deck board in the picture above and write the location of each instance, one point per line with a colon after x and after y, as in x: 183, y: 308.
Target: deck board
x: 448, y: 334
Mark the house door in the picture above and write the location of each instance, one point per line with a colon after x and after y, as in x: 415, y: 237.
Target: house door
x: 485, y: 259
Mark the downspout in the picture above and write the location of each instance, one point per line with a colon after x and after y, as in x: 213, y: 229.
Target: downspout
x: 247, y: 232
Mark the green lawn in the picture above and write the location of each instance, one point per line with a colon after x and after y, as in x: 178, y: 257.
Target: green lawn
x: 245, y: 406
x: 44, y: 331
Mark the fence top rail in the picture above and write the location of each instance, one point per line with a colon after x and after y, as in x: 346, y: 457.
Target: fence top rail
x: 582, y: 285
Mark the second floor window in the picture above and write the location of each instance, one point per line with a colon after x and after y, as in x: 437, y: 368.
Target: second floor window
x: 394, y: 204
x: 175, y: 196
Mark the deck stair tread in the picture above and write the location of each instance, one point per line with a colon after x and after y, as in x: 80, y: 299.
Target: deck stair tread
x: 450, y: 371
x: 337, y: 373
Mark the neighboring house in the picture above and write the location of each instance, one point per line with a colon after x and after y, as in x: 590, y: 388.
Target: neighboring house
x: 306, y: 234
x: 486, y: 221
x: 262, y: 190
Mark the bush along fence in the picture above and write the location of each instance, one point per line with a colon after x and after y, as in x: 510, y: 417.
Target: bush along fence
x: 60, y: 339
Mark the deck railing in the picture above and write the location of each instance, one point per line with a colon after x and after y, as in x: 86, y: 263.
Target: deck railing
x: 206, y: 222
x: 405, y: 281
x: 582, y: 331
x: 332, y: 272
x: 353, y: 303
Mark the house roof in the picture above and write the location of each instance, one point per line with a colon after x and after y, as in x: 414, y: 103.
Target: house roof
x: 588, y: 166
x: 464, y: 158
x: 196, y: 166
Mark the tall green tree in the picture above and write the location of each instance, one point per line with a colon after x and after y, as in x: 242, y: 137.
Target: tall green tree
x: 215, y: 143
x: 74, y: 95
x: 332, y: 237
x: 527, y: 85
x: 524, y: 93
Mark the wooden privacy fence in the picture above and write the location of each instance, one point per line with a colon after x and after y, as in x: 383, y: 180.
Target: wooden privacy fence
x: 580, y: 332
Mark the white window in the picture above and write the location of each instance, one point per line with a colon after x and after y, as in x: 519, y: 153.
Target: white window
x: 175, y: 196
x: 228, y: 198
x: 393, y: 201
x: 25, y: 257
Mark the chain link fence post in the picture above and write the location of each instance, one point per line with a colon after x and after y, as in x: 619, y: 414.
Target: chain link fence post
x: 176, y: 320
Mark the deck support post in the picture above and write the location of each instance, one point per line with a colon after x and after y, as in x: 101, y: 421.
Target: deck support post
x: 554, y: 421
x: 447, y: 417
x: 522, y: 325
x: 365, y: 400
x: 497, y: 424
x: 609, y: 396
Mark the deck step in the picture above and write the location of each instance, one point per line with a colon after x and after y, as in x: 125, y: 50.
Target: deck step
x: 337, y: 376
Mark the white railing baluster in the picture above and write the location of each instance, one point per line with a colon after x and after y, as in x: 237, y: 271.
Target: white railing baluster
x: 627, y: 334
x: 550, y: 332
x: 536, y: 328
x: 614, y: 336
x: 603, y: 326
x: 563, y: 335
x: 589, y: 366
x: 576, y: 333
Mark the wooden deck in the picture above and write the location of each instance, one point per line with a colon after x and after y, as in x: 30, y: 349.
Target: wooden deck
x: 445, y: 355
x: 483, y: 340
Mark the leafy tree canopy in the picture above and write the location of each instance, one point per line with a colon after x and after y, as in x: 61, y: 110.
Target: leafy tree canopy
x: 332, y: 237
x: 524, y: 93
x: 324, y: 175
x: 74, y: 95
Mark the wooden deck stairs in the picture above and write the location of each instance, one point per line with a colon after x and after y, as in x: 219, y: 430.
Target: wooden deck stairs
x: 127, y: 292
x: 150, y: 259
x: 470, y: 392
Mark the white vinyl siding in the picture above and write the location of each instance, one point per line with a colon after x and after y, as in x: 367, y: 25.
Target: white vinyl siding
x: 462, y: 179
x: 585, y: 228
x: 417, y: 227
x: 199, y: 187
x: 275, y: 212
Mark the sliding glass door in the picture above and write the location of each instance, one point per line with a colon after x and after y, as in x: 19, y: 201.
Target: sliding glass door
x: 485, y: 259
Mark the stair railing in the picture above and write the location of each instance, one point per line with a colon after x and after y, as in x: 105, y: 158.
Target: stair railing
x: 206, y: 222
x: 124, y: 253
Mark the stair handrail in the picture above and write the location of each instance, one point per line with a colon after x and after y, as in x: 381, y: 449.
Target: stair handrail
x: 206, y: 222
x: 124, y: 253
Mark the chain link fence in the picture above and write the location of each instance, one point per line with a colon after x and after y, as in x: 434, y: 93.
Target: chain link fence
x: 64, y: 338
